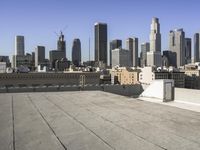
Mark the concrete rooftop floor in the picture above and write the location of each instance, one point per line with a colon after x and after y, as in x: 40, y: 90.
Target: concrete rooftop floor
x: 93, y: 120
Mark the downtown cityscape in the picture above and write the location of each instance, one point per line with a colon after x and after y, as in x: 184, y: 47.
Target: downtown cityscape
x: 99, y: 75
x: 115, y: 62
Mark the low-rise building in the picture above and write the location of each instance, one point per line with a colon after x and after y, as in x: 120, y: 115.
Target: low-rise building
x: 178, y: 77
x: 148, y: 74
x: 125, y: 76
x: 192, y: 76
x: 2, y: 67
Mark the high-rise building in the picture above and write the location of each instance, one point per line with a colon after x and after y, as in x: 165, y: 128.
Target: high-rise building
x: 22, y: 60
x: 121, y: 58
x: 171, y: 57
x: 76, y: 52
x: 19, y: 45
x: 113, y: 45
x: 55, y: 55
x: 39, y: 55
x: 6, y: 60
x: 60, y: 53
x: 177, y: 44
x: 101, y: 42
x: 145, y: 47
x: 132, y: 46
x: 61, y: 45
x: 154, y: 59
x: 154, y: 56
x: 155, y: 36
x: 188, y: 50
x: 196, y: 47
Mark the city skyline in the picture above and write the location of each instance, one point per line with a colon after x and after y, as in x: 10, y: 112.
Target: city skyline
x: 38, y: 21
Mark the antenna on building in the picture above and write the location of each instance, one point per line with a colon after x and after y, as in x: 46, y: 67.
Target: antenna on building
x: 89, y: 48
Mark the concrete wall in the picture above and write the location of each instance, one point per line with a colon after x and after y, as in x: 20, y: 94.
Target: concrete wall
x: 126, y: 90
x: 48, y: 78
x: 189, y: 95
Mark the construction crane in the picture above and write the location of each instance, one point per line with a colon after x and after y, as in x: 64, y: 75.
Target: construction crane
x: 61, y: 31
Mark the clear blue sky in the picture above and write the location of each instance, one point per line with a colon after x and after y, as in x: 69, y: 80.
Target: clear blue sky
x: 37, y: 20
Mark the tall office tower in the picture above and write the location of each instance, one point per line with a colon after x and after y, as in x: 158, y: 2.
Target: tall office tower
x: 177, y: 44
x: 39, y: 55
x: 19, y: 45
x: 76, y: 52
x: 121, y: 58
x: 55, y: 55
x: 101, y: 43
x: 132, y: 46
x: 154, y: 56
x: 155, y: 36
x: 61, y: 45
x: 188, y: 50
x: 171, y: 57
x: 145, y: 47
x: 33, y: 57
x: 113, y: 45
x: 196, y: 48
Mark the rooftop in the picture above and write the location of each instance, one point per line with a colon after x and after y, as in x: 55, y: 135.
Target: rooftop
x: 93, y: 120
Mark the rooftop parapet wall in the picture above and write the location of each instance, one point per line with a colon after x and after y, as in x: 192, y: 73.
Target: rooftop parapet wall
x: 48, y: 78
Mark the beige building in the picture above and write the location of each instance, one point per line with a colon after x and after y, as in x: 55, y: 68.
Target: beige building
x: 192, y: 70
x: 192, y: 73
x: 125, y: 76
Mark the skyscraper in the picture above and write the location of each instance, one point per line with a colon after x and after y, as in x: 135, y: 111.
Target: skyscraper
x: 121, y: 58
x: 177, y: 44
x: 60, y: 53
x: 61, y: 45
x: 196, y: 47
x: 154, y: 56
x: 19, y: 45
x: 171, y: 57
x: 155, y: 36
x: 113, y: 45
x: 145, y: 47
x: 132, y: 46
x: 20, y: 58
x: 101, y: 42
x: 39, y: 55
x: 188, y: 50
x: 76, y: 52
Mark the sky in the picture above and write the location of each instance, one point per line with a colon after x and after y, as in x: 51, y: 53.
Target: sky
x: 38, y: 20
